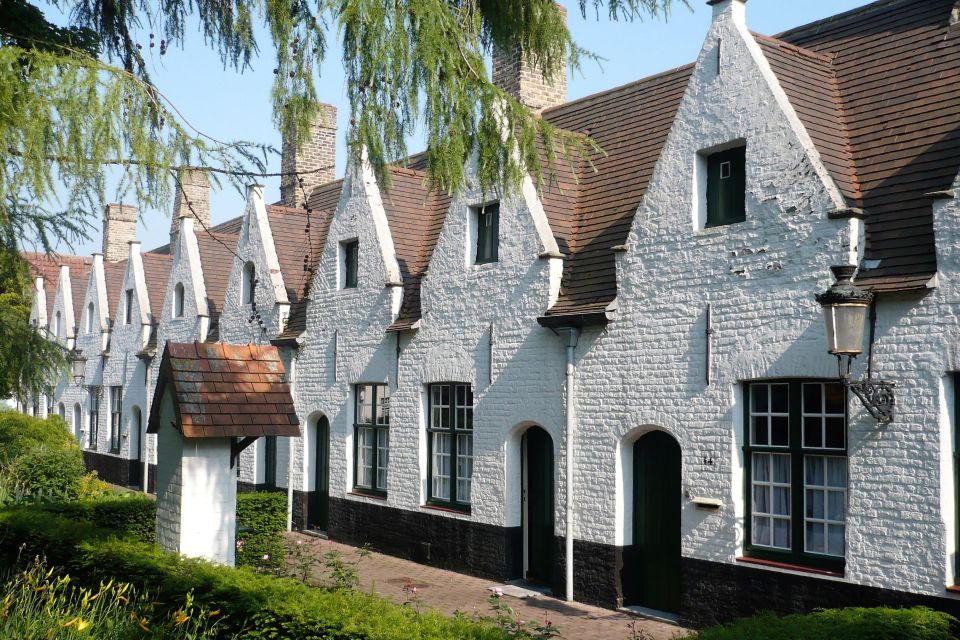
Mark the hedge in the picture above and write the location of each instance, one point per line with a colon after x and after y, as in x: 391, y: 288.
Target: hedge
x: 261, y: 520
x: 48, y: 472
x: 254, y: 606
x: 853, y: 623
x: 133, y: 515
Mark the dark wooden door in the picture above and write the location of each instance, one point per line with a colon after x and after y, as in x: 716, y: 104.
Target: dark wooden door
x: 539, y: 507
x: 651, y: 572
x: 319, y: 506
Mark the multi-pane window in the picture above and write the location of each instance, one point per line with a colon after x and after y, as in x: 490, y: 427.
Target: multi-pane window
x: 796, y: 462
x: 351, y: 260
x: 451, y: 444
x: 116, y: 411
x: 371, y: 434
x: 726, y: 187
x: 488, y: 233
x: 128, y: 306
x: 93, y: 417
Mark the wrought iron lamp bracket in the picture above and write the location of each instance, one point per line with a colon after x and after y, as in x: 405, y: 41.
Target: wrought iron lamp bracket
x: 875, y: 395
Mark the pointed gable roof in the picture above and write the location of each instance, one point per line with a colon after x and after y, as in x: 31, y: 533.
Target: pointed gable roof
x: 156, y: 273
x: 113, y: 275
x: 216, y: 260
x: 48, y: 266
x: 897, y: 68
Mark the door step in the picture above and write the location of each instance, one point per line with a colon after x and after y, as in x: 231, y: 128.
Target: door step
x: 315, y: 533
x: 652, y: 614
x: 521, y: 589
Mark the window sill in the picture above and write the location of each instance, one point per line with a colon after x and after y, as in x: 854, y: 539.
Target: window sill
x: 446, y: 509
x: 791, y: 567
x: 368, y: 494
x: 953, y: 588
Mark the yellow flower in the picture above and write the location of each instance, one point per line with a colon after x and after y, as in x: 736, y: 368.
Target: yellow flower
x: 180, y: 618
x: 214, y: 613
x: 143, y: 625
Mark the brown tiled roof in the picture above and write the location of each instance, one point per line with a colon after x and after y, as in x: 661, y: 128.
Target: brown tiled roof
x: 222, y: 390
x: 113, y: 273
x: 230, y: 227
x: 289, y: 228
x: 48, y: 266
x: 79, y: 281
x: 630, y: 123
x: 416, y: 217
x: 810, y: 83
x: 216, y: 260
x: 156, y: 273
x: 897, y: 67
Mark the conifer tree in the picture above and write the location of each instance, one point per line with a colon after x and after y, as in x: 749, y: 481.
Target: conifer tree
x: 75, y: 100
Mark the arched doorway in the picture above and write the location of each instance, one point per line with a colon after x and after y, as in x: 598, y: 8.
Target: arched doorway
x: 538, y: 506
x: 651, y: 568
x: 318, y: 505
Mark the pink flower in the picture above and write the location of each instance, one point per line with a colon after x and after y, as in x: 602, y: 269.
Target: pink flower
x: 413, y: 590
x: 498, y: 592
x: 299, y: 542
x: 266, y: 556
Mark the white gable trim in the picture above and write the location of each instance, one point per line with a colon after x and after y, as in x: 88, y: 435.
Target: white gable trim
x: 256, y: 213
x: 371, y: 191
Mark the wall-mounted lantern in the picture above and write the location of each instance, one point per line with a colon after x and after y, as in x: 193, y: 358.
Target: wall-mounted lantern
x: 78, y: 364
x: 845, y: 307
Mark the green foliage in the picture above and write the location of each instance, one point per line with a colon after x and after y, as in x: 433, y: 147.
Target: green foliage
x: 49, y: 473
x: 42, y: 603
x: 253, y: 606
x: 20, y: 433
x: 854, y: 623
x: 132, y: 515
x: 261, y: 522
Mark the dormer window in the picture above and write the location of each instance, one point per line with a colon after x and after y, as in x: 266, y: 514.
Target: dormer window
x: 726, y: 187
x: 350, y: 259
x: 90, y: 312
x: 487, y: 224
x: 178, y: 300
x: 128, y: 306
x: 248, y: 282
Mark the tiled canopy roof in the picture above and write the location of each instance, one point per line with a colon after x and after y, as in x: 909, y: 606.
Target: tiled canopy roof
x: 223, y: 390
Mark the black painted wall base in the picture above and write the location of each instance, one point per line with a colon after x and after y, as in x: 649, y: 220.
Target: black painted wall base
x: 300, y: 501
x: 715, y: 592
x: 249, y: 487
x: 120, y: 471
x: 441, y: 541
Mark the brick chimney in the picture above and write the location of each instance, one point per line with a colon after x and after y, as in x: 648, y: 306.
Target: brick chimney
x: 524, y: 80
x: 192, y: 197
x: 119, y: 229
x: 314, y: 163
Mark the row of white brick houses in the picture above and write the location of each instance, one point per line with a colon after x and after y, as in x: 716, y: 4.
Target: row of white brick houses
x: 633, y: 354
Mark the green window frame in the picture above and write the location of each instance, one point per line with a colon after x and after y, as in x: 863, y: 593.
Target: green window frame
x: 116, y: 414
x: 488, y: 233
x: 94, y: 417
x: 351, y: 260
x: 796, y: 472
x: 450, y: 445
x: 371, y: 438
x: 726, y: 187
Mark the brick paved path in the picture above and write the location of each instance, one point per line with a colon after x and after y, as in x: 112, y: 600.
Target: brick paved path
x: 447, y: 592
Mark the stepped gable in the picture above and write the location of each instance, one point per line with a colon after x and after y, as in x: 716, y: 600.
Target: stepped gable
x: 897, y: 68
x: 223, y: 390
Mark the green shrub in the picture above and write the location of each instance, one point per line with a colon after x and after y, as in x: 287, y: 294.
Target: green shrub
x: 253, y: 606
x: 261, y: 522
x: 131, y: 514
x: 20, y: 433
x: 45, y: 473
x: 854, y: 623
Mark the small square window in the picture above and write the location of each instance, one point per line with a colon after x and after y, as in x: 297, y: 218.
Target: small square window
x: 488, y: 233
x: 726, y: 187
x: 350, y: 252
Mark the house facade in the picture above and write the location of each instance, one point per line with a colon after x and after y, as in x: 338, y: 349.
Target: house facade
x: 616, y: 384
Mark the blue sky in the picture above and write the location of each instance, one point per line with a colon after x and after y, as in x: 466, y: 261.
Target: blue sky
x: 229, y: 105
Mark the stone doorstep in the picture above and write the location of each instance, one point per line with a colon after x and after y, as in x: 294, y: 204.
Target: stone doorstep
x: 652, y: 614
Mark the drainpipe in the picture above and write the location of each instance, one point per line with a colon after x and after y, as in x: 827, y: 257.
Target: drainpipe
x: 573, y: 334
x: 290, y: 444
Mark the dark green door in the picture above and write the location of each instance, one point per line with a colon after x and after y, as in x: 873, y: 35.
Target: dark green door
x: 319, y: 506
x: 539, y: 507
x: 651, y: 572
x: 270, y: 463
